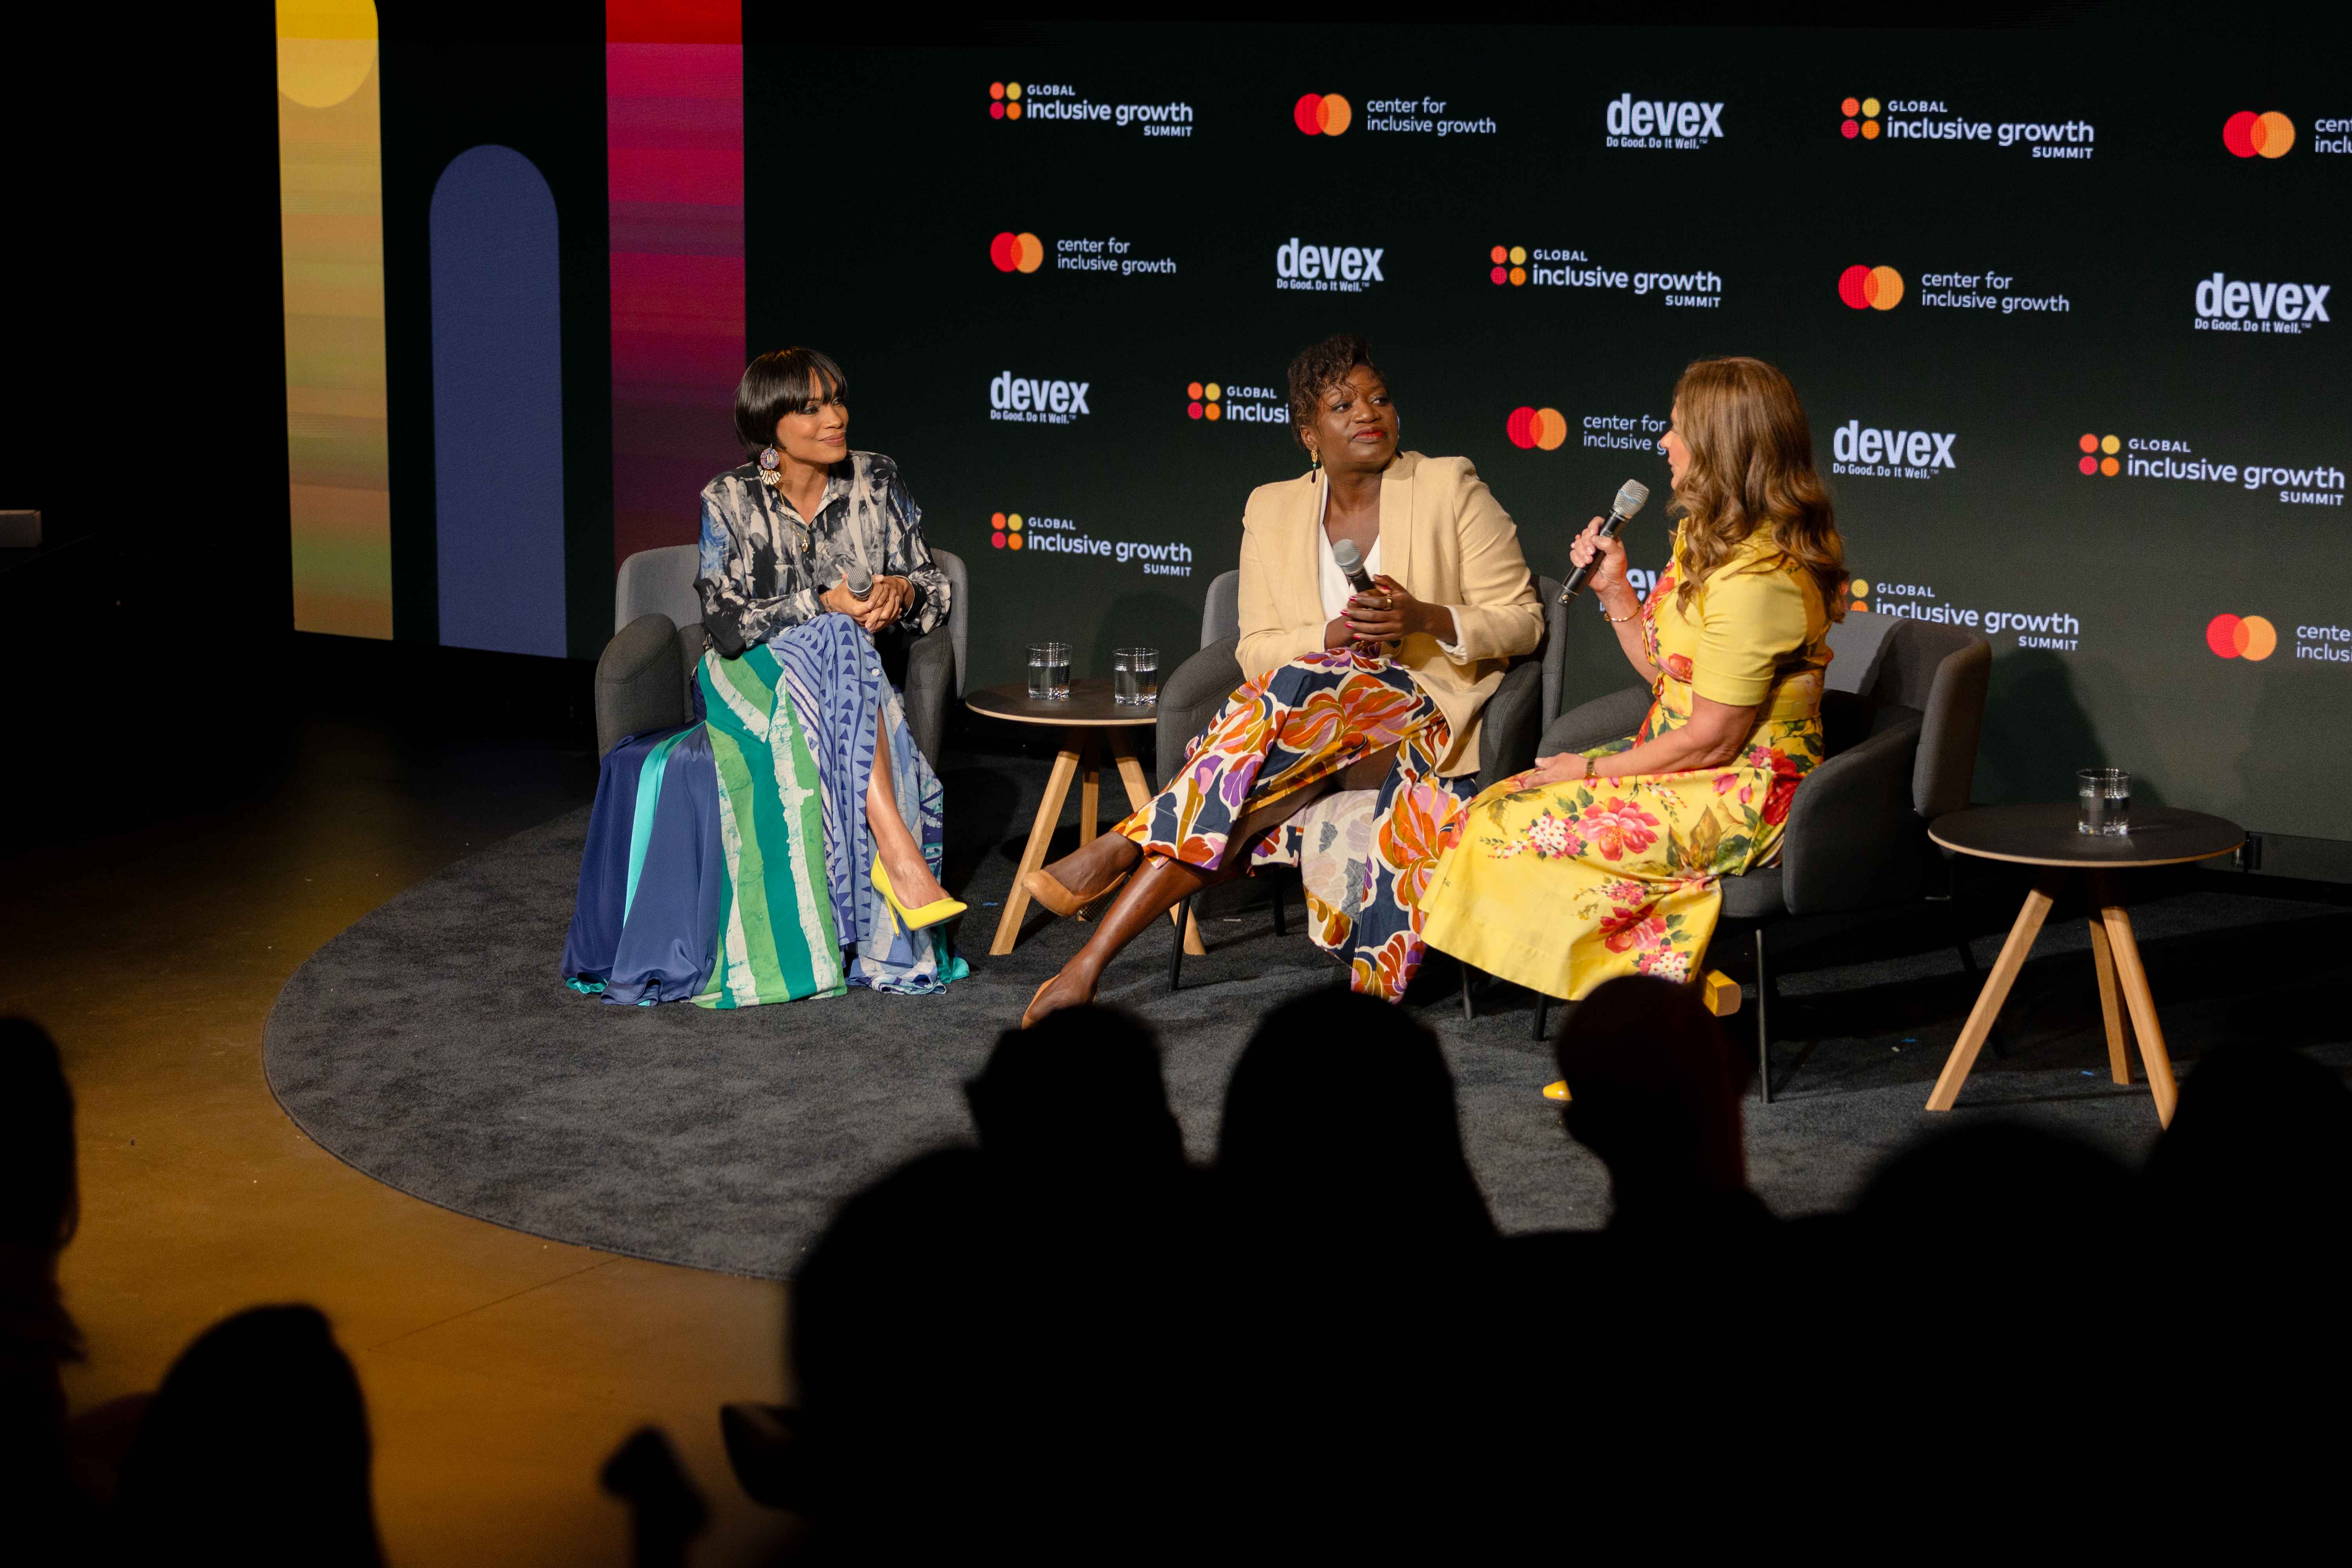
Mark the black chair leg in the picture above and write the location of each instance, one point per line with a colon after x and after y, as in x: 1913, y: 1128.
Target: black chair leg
x: 1543, y: 1008
x: 1469, y: 1002
x: 1763, y: 1021
x: 1176, y: 955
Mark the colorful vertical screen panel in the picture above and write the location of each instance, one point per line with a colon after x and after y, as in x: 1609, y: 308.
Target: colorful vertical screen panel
x: 497, y: 405
x: 674, y: 141
x: 330, y: 203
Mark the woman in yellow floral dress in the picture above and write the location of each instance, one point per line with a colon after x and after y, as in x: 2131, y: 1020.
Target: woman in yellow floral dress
x: 1607, y: 862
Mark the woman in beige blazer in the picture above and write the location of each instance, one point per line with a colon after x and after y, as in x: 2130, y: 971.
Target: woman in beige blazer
x: 1376, y: 691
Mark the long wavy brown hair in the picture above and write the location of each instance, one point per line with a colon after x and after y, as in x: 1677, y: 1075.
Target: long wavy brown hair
x: 1751, y: 467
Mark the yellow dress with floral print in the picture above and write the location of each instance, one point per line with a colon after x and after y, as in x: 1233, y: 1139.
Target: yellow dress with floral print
x: 1565, y: 886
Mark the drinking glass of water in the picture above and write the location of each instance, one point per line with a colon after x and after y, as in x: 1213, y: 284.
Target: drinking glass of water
x: 2105, y: 794
x: 1135, y: 676
x: 1049, y: 671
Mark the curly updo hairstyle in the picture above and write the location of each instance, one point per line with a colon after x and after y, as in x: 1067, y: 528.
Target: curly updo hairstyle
x: 1317, y: 369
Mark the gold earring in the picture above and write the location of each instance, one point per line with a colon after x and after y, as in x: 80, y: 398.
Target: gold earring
x: 1314, y: 459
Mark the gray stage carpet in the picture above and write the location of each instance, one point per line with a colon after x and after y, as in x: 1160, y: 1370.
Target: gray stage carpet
x: 432, y: 1046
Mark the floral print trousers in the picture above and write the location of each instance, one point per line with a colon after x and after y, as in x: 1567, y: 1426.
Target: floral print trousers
x: 1290, y: 728
x: 1563, y: 887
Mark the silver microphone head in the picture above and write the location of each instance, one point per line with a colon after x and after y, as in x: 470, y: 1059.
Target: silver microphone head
x: 1351, y: 559
x: 860, y: 581
x: 1631, y: 496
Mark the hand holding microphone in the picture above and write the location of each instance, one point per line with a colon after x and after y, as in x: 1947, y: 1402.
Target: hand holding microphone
x: 1380, y: 613
x: 1596, y: 552
x: 873, y: 601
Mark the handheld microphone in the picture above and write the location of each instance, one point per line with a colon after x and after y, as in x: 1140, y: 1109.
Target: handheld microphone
x: 1350, y: 561
x: 858, y: 580
x: 1351, y: 566
x: 1631, y: 496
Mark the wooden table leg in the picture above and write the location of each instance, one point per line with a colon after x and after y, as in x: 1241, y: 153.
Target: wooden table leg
x: 1089, y: 793
x: 1995, y: 992
x: 1130, y: 773
x: 2111, y: 1006
x: 1041, y: 837
x: 2132, y: 979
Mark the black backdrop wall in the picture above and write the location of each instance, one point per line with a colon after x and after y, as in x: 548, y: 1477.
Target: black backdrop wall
x: 2003, y: 245
x: 879, y: 183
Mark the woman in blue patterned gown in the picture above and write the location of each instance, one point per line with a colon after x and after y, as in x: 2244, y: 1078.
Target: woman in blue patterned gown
x: 785, y: 842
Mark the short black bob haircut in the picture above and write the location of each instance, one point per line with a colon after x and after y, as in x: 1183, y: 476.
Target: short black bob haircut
x: 1317, y: 368
x: 784, y: 382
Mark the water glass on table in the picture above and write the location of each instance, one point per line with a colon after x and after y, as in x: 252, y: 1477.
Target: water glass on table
x: 1049, y: 671
x: 2106, y: 795
x: 1135, y: 676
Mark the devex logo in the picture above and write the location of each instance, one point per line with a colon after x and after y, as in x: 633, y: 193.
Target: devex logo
x: 1861, y: 119
x: 1629, y: 116
x: 1322, y: 114
x: 1919, y: 449
x: 1005, y: 100
x: 1004, y: 531
x: 1870, y: 288
x: 1022, y: 400
x: 2241, y: 637
x: 2221, y: 298
x: 2247, y: 134
x: 2093, y: 462
x: 1545, y: 428
x: 1016, y: 252
x: 1203, y: 400
x: 1345, y: 268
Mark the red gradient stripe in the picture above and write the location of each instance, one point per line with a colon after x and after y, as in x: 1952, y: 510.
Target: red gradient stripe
x: 674, y: 147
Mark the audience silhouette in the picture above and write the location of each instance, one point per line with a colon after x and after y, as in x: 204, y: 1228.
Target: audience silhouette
x: 1068, y: 1341
x: 255, y: 1450
x: 39, y: 1208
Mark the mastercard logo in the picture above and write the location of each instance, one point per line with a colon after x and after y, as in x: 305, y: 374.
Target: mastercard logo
x: 1859, y: 591
x: 1509, y: 265
x: 2247, y: 134
x: 1016, y: 252
x: 1861, y: 119
x: 1322, y: 114
x: 1004, y: 531
x: 1202, y: 400
x: 2241, y: 637
x: 1005, y: 100
x: 1543, y: 428
x: 1870, y: 288
x: 2099, y: 455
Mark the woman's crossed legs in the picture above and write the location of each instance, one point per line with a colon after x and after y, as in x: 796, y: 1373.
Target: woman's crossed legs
x: 1324, y: 722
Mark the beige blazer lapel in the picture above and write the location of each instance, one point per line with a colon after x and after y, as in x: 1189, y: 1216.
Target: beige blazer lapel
x: 1302, y: 584
x: 1397, y: 518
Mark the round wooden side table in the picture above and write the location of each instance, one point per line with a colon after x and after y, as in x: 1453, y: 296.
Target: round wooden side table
x: 1092, y: 726
x: 2045, y: 836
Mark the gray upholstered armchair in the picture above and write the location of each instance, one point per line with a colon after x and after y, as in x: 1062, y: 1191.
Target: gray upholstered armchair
x: 1900, y: 718
x: 644, y: 680
x: 1512, y: 720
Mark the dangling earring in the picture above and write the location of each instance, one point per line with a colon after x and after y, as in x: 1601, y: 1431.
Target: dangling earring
x: 1314, y: 459
x: 770, y: 464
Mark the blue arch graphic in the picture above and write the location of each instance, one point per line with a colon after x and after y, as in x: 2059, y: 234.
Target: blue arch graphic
x: 497, y: 405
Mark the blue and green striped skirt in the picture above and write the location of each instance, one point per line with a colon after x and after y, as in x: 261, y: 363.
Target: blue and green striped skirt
x: 729, y: 862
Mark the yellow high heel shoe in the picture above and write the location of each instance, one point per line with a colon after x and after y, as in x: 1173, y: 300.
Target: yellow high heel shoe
x: 1557, y: 1089
x: 930, y: 914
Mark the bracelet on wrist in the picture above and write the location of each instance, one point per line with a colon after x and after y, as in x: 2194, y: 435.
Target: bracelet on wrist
x: 1602, y: 605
